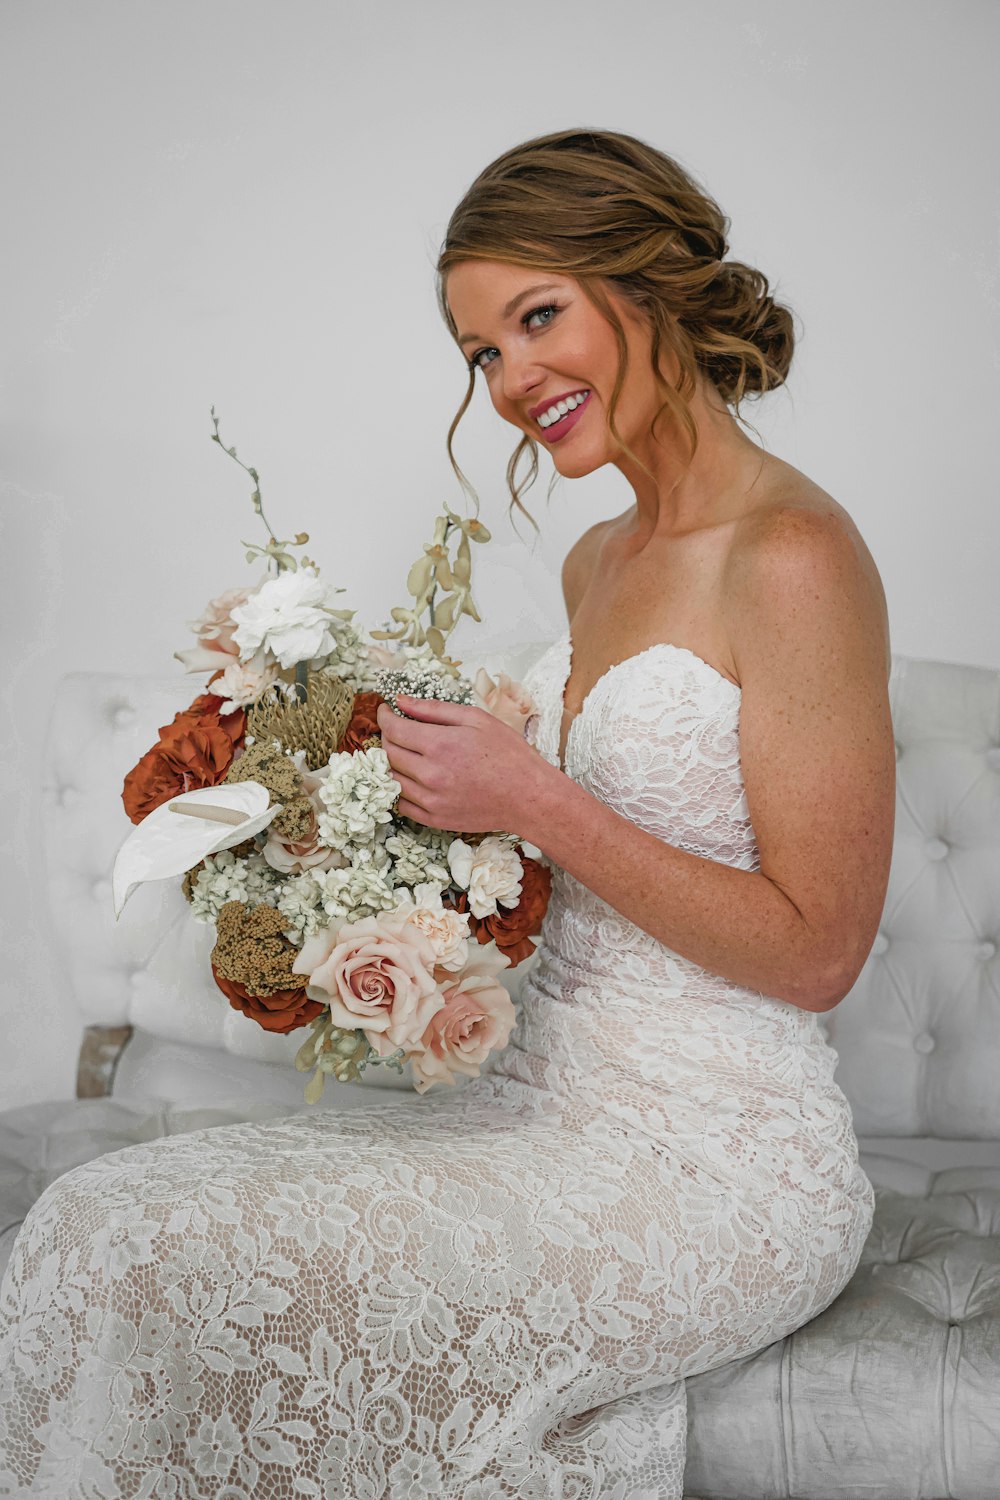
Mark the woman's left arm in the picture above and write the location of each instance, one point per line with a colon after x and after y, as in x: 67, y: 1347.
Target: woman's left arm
x: 805, y: 610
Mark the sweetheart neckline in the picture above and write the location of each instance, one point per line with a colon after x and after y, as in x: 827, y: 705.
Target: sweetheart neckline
x: 566, y: 639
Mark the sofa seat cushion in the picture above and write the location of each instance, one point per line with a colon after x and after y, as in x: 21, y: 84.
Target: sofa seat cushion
x: 893, y: 1392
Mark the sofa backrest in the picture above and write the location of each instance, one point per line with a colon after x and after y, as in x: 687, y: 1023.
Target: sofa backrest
x: 918, y: 1038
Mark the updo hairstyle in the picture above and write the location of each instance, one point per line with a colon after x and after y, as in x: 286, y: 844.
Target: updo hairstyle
x: 596, y: 204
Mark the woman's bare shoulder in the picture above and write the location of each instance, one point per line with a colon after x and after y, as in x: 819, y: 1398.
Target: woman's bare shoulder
x: 579, y: 562
x: 797, y: 524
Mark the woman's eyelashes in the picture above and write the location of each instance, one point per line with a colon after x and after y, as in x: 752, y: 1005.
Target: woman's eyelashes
x: 475, y: 363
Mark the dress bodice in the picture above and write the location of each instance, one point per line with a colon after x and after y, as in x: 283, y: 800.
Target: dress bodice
x: 657, y: 739
x: 614, y: 1019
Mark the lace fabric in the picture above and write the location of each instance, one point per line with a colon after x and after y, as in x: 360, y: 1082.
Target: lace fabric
x: 491, y: 1292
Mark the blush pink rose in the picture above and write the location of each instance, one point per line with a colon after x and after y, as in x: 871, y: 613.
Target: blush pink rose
x: 376, y: 973
x: 476, y: 1019
x: 215, y: 628
x: 505, y: 699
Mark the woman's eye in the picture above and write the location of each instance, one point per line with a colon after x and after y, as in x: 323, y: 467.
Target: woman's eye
x: 476, y: 362
x: 549, y: 307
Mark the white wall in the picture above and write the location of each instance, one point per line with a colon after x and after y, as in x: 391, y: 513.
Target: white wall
x: 241, y: 204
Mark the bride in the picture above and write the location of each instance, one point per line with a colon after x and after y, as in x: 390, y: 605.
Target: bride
x: 500, y: 1290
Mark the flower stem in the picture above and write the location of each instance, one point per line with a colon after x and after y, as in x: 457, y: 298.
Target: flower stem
x: 258, y: 504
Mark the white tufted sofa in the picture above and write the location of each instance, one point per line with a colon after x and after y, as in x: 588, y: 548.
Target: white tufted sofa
x: 892, y: 1393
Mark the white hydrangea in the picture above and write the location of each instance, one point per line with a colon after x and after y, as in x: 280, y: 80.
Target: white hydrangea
x: 350, y: 661
x: 360, y: 890
x: 419, y: 854
x: 358, y: 791
x: 300, y: 902
x: 490, y: 871
x: 226, y: 878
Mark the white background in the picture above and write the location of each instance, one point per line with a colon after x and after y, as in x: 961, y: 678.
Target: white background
x: 242, y: 203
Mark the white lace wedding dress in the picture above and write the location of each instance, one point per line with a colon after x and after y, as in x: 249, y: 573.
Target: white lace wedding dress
x: 488, y: 1292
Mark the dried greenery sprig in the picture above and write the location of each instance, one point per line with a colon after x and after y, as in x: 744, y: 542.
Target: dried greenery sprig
x: 435, y: 569
x: 275, y: 551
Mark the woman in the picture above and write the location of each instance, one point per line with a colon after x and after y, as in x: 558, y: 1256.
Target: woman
x: 500, y: 1291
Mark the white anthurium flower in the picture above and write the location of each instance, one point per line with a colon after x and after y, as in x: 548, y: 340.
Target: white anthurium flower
x: 169, y: 843
x: 290, y: 615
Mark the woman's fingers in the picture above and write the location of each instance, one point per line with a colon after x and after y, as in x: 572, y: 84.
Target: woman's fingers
x: 409, y: 762
x: 412, y: 793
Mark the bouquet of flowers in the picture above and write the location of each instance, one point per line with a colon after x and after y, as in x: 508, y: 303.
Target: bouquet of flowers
x: 383, y: 936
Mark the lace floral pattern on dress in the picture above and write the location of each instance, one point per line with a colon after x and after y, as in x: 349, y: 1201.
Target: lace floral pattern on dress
x: 487, y: 1293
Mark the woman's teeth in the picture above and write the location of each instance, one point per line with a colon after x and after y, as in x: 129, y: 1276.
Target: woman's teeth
x: 558, y: 411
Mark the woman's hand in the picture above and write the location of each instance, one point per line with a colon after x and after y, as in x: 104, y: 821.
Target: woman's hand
x: 459, y: 767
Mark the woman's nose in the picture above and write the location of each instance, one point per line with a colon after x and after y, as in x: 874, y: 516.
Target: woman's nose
x: 521, y: 377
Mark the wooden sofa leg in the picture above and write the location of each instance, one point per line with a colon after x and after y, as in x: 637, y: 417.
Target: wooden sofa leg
x: 100, y: 1050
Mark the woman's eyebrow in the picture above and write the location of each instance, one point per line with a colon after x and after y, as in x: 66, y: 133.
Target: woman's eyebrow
x: 512, y: 306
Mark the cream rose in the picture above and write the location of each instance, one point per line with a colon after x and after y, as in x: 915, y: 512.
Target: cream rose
x: 476, y: 1018
x: 506, y: 699
x: 376, y: 973
x: 242, y: 683
x: 447, y: 929
x: 489, y: 871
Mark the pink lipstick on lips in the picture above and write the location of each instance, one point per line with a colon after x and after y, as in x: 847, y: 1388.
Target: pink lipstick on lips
x: 559, y: 429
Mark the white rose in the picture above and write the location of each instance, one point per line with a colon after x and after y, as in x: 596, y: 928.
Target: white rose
x: 490, y: 871
x: 290, y: 615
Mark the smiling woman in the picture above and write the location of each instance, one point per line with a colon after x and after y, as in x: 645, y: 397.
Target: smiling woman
x: 498, y: 1292
x: 626, y: 228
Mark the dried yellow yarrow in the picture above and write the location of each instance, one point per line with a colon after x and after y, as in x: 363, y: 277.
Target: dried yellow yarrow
x: 251, y: 949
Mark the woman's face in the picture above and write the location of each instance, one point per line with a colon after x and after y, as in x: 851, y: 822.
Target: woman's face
x: 539, y: 341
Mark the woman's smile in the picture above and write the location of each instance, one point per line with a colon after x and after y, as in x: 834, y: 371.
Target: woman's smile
x: 556, y: 418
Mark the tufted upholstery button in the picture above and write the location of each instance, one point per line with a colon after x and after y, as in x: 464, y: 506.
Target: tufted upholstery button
x: 880, y: 944
x: 101, y: 888
x: 66, y: 795
x: 993, y: 757
x: 924, y: 1042
x: 986, y: 950
x: 899, y: 748
x: 122, y: 716
x: 936, y: 849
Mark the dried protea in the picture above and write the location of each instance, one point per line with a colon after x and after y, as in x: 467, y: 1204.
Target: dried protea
x: 316, y: 726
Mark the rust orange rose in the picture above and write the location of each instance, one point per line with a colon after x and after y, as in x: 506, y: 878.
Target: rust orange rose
x: 194, y: 750
x: 284, y: 1010
x: 509, y: 927
x: 363, y: 722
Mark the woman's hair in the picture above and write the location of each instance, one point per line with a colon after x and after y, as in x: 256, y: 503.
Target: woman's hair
x: 596, y: 204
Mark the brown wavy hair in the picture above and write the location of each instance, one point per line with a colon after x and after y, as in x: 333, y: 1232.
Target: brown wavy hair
x: 601, y: 206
